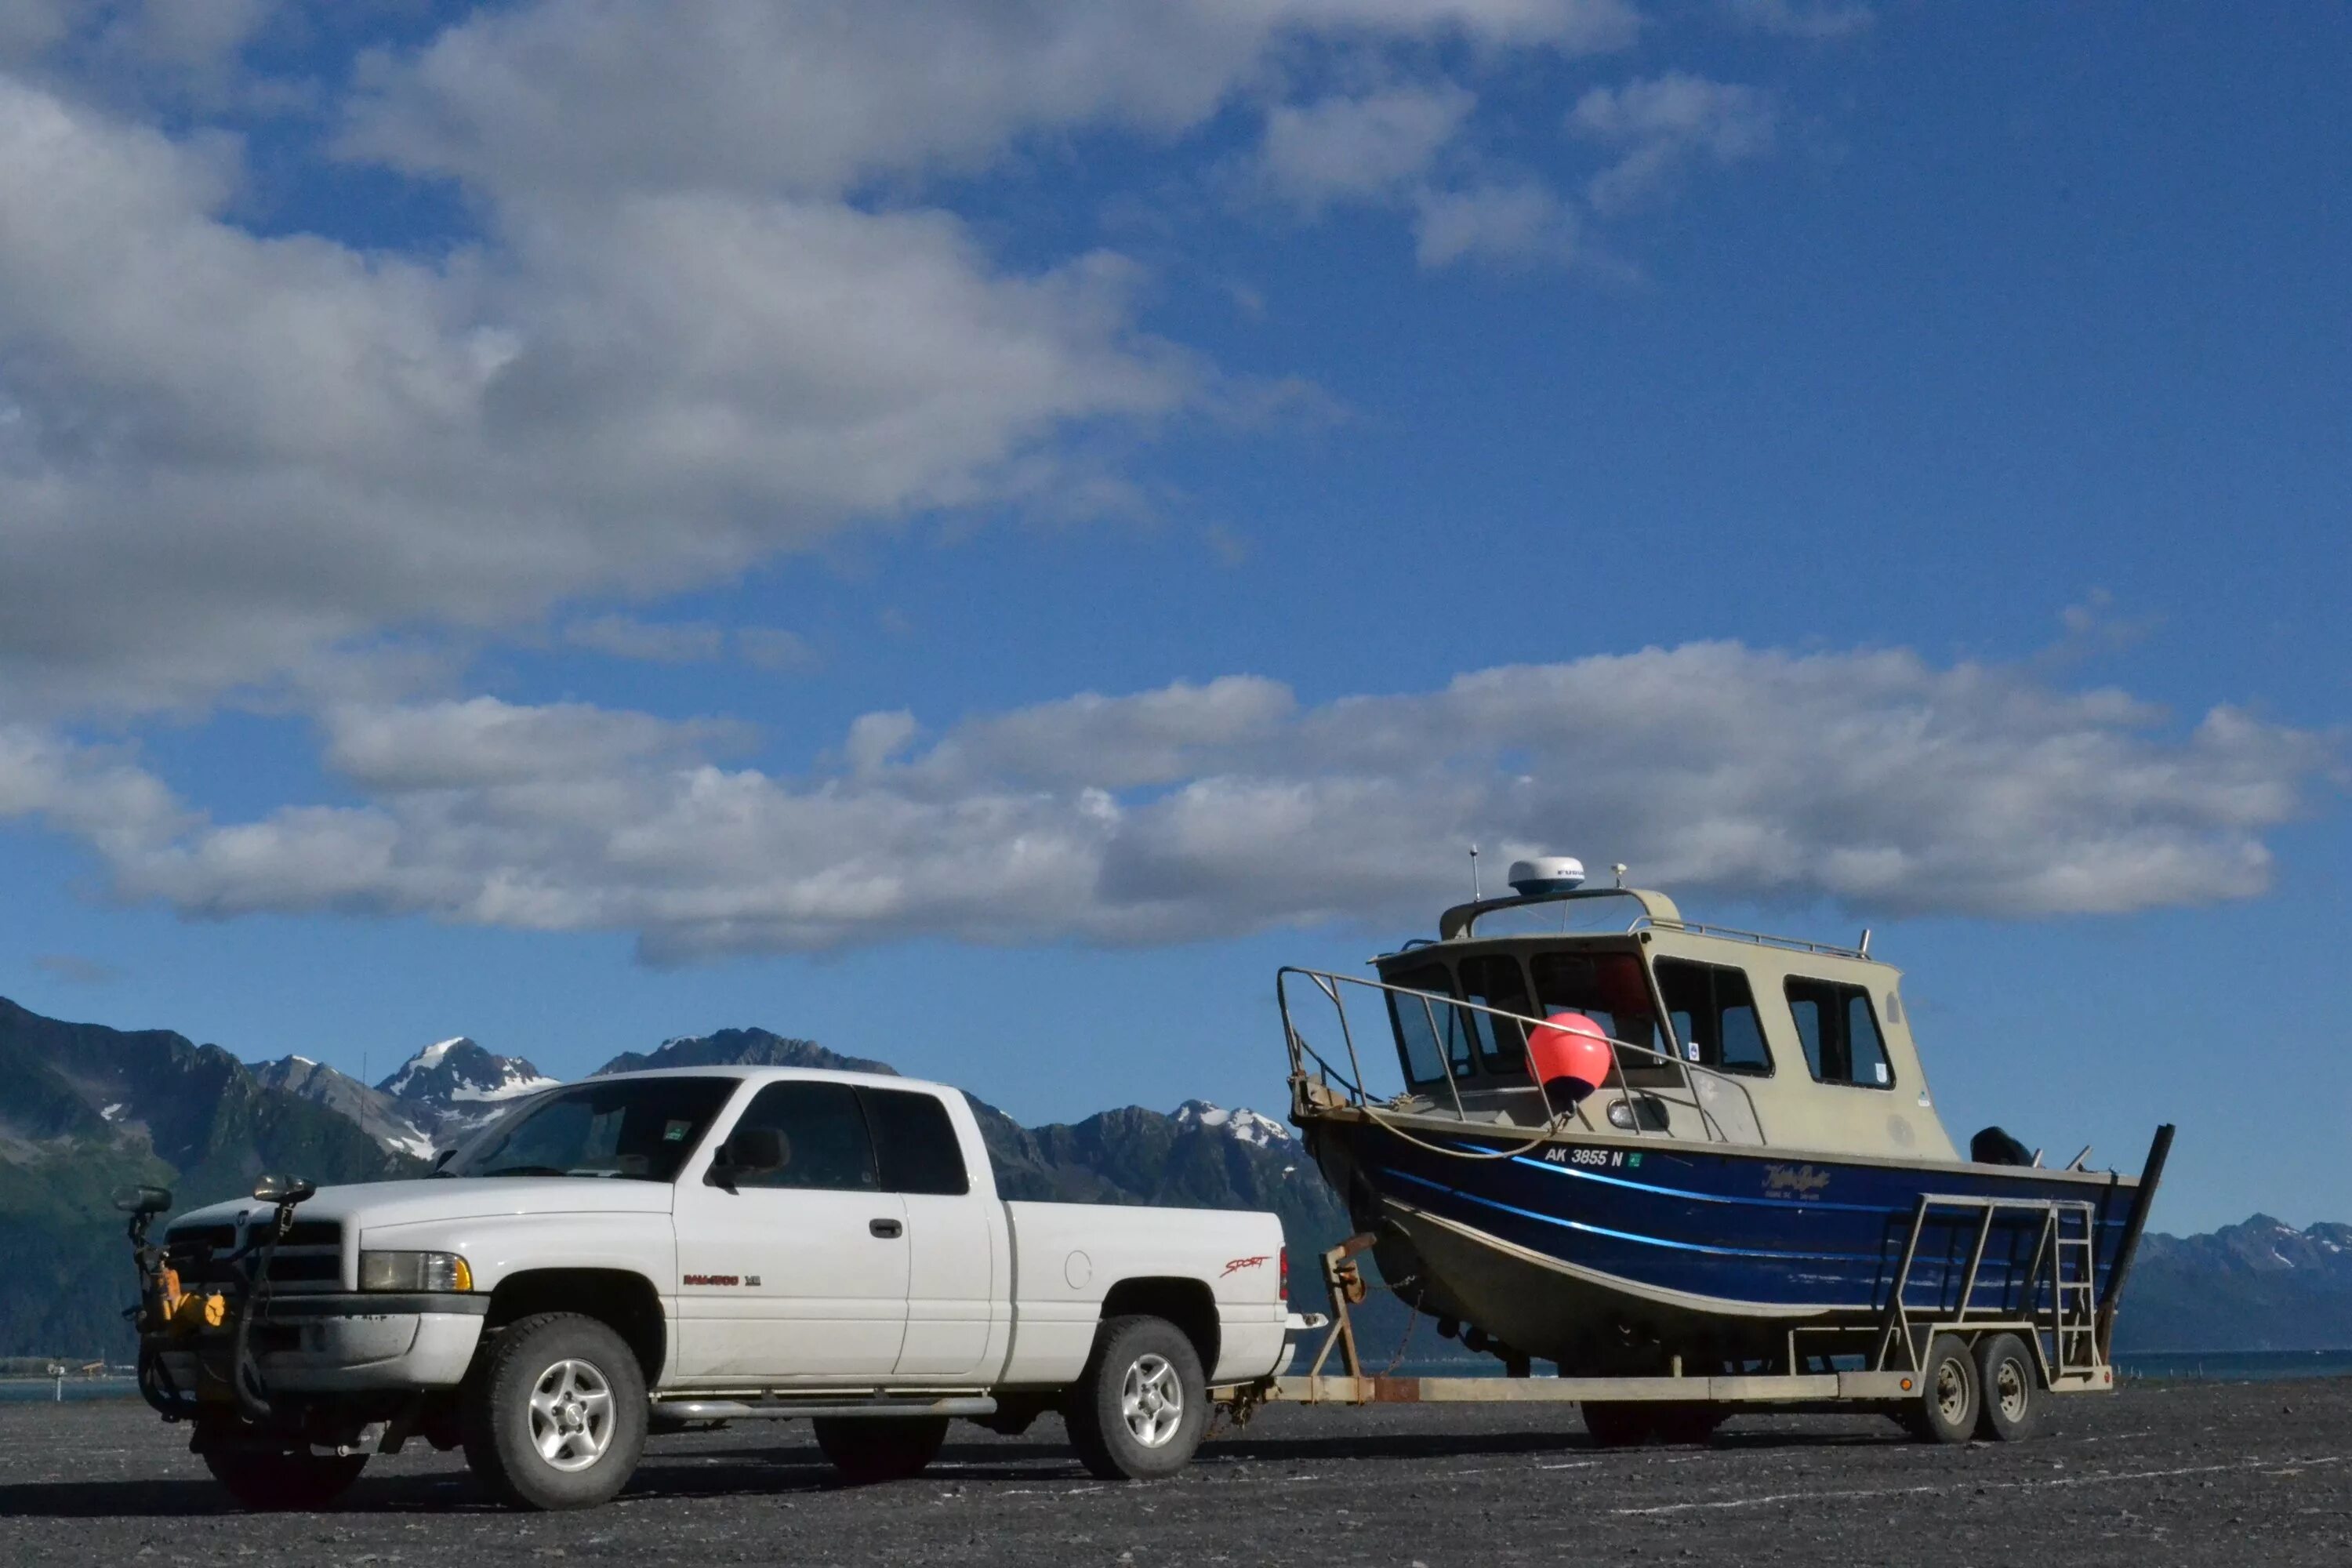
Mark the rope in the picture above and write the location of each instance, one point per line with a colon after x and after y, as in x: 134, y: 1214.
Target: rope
x: 1545, y: 1136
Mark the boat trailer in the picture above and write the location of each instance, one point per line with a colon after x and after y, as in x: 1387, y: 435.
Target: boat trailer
x: 1925, y: 1367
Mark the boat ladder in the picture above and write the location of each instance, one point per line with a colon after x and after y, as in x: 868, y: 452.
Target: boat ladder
x: 2054, y: 1301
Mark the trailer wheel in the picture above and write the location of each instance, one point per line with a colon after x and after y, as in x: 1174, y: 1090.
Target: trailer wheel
x: 867, y: 1449
x: 2009, y: 1386
x: 1687, y: 1423
x: 1619, y: 1424
x: 1945, y: 1408
x: 1141, y: 1405
x: 555, y: 1413
x: 274, y: 1477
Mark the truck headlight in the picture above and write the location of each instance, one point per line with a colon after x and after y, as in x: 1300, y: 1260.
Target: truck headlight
x: 414, y: 1271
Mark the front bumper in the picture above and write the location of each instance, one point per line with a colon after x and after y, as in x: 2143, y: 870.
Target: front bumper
x: 342, y: 1343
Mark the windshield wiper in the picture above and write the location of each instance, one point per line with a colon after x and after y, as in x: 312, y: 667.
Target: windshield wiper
x: 524, y: 1170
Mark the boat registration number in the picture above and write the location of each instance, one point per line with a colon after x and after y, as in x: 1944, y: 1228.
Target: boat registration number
x: 1588, y: 1157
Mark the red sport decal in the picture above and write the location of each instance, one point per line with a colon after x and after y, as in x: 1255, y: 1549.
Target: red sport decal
x: 1241, y: 1263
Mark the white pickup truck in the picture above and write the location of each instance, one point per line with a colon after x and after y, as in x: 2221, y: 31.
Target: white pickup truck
x: 652, y: 1249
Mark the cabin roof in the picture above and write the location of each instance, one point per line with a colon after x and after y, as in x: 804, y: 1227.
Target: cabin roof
x: 1656, y: 911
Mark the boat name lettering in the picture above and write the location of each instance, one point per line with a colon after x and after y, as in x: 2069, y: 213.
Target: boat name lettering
x: 1799, y: 1181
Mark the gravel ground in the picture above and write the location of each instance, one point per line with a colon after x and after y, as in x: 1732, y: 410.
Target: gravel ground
x: 2218, y: 1473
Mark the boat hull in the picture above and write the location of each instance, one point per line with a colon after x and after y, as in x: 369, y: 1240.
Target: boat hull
x: 1608, y: 1254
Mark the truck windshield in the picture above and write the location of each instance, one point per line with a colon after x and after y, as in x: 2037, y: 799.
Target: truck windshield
x: 641, y: 1129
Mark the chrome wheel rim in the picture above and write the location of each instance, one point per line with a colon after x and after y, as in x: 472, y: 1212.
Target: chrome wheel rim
x: 1951, y: 1391
x: 572, y: 1415
x: 1152, y: 1398
x: 2008, y: 1387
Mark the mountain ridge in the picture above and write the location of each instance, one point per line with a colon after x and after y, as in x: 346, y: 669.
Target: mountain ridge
x: 84, y: 1106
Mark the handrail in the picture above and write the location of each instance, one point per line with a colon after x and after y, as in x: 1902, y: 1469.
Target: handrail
x: 1329, y: 984
x: 1761, y: 939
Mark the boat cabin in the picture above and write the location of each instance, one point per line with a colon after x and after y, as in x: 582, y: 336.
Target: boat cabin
x: 1720, y: 1036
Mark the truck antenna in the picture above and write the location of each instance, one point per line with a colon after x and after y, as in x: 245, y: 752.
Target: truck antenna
x: 1475, y: 894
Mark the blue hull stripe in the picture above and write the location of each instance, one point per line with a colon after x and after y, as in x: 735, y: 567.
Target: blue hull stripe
x: 1629, y: 1235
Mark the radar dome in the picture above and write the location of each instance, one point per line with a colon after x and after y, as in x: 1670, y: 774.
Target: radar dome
x: 1547, y: 874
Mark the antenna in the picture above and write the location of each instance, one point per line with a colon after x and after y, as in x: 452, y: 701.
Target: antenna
x: 1864, y: 946
x: 1619, y: 867
x: 1475, y: 894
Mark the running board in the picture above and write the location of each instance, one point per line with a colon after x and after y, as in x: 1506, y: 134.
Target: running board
x: 797, y: 1409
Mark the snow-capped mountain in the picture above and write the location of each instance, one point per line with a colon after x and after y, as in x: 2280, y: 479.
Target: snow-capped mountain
x: 378, y: 1114
x: 454, y: 1086
x: 1248, y: 1126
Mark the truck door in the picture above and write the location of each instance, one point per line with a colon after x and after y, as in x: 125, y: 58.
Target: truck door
x: 801, y: 1271
x: 952, y: 1283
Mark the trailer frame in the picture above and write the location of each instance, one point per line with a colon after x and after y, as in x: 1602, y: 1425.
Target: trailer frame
x: 2061, y: 1314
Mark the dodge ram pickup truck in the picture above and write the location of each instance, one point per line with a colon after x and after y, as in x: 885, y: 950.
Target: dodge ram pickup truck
x: 640, y: 1252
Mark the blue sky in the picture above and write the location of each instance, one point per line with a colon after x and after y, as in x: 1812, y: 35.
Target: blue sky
x: 581, y: 524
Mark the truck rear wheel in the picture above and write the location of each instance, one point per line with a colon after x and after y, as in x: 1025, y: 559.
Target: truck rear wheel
x: 274, y: 1477
x: 555, y: 1413
x: 1140, y: 1407
x: 866, y: 1449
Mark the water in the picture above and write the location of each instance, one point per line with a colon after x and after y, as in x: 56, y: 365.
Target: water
x: 24, y: 1390
x: 2235, y: 1366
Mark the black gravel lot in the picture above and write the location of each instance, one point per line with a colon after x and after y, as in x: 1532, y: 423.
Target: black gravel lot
x: 2188, y: 1473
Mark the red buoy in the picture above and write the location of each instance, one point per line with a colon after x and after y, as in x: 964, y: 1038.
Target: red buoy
x: 1571, y: 1056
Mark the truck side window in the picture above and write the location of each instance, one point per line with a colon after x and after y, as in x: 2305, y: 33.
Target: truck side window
x: 1840, y: 1032
x: 1714, y: 1015
x: 917, y: 1142
x: 823, y: 1129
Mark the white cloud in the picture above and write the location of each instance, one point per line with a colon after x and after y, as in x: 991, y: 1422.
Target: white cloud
x: 813, y: 98
x: 1871, y: 778
x: 219, y: 453
x: 1508, y: 222
x: 1822, y: 19
x: 1663, y: 122
x: 656, y: 642
x: 1362, y: 149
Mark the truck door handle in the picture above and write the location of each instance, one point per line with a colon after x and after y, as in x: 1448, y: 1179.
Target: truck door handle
x: 885, y: 1228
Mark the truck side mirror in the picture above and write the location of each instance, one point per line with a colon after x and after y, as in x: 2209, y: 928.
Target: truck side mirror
x: 751, y: 1150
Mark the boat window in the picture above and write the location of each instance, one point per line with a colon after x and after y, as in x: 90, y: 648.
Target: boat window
x: 1714, y: 1015
x: 1840, y: 1033
x: 1495, y: 980
x: 1431, y: 1035
x: 1606, y: 987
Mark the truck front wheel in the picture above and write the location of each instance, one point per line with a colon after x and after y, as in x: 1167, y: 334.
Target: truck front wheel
x: 555, y: 1413
x: 1140, y: 1408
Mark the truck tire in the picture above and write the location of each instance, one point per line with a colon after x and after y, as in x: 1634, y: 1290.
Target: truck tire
x: 270, y: 1478
x: 555, y: 1413
x: 871, y: 1448
x: 2009, y: 1386
x: 1140, y: 1408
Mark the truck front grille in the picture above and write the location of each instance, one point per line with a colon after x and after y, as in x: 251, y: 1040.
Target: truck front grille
x: 310, y: 1258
